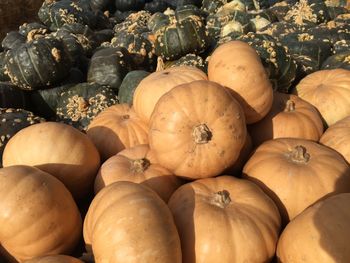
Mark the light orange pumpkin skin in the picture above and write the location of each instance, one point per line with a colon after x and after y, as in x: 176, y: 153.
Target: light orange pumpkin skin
x: 116, y: 128
x: 296, y: 173
x: 38, y: 215
x: 319, y: 234
x: 328, y: 91
x: 197, y: 130
x: 58, y: 149
x: 127, y: 222
x: 337, y: 137
x: 139, y: 165
x: 236, y: 65
x: 289, y: 117
x: 225, y: 219
x: 155, y: 85
x: 54, y: 259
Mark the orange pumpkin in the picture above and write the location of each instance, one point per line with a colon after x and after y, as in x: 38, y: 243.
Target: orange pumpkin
x: 116, y: 128
x: 296, y: 173
x: 290, y: 117
x: 337, y: 137
x: 328, y: 91
x: 128, y: 222
x: 319, y: 234
x: 139, y: 165
x: 225, y: 219
x: 58, y: 149
x: 197, y: 130
x: 38, y: 215
x: 236, y: 65
x: 54, y: 259
x: 155, y: 85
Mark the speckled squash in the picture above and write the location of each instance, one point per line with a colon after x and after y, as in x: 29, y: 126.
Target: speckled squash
x: 156, y: 6
x: 29, y: 30
x: 339, y: 60
x: 54, y: 259
x: 12, y: 40
x: 192, y: 60
x: 125, y: 5
x: 3, y: 72
x: 129, y: 84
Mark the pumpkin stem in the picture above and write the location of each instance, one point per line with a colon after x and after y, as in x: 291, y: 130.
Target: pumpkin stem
x: 222, y: 198
x: 290, y: 106
x: 201, y: 134
x: 299, y: 154
x: 140, y: 165
x: 126, y: 117
x: 160, y: 64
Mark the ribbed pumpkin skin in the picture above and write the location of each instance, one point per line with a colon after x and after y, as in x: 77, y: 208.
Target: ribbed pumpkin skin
x: 319, y: 234
x: 116, y: 128
x: 294, y: 177
x: 197, y: 130
x: 328, y: 91
x: 225, y: 219
x: 290, y: 117
x: 54, y: 259
x: 58, y: 149
x: 128, y: 222
x: 38, y: 215
x: 236, y: 65
x: 337, y: 137
x: 139, y: 165
x: 158, y: 83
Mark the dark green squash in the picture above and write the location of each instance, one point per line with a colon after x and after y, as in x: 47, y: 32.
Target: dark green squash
x: 343, y: 18
x: 102, y: 5
x: 340, y: 60
x: 305, y: 66
x: 38, y: 64
x: 79, y: 104
x: 12, y: 97
x: 280, y: 29
x: 156, y: 6
x: 280, y: 9
x: 261, y: 18
x: 334, y: 11
x: 178, y: 3
x: 125, y: 5
x: 3, y: 73
x: 341, y: 46
x: 192, y: 60
x: 134, y: 22
x: 129, y: 84
x: 33, y: 28
x: 12, y: 40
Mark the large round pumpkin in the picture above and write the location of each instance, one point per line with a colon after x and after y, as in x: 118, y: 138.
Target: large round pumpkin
x: 225, y: 219
x: 290, y: 117
x: 197, y: 129
x: 116, y: 128
x: 236, y: 65
x: 58, y: 149
x: 319, y: 234
x: 139, y: 165
x: 54, y: 259
x: 328, y: 91
x: 296, y: 173
x: 128, y: 222
x: 38, y: 215
x: 151, y: 88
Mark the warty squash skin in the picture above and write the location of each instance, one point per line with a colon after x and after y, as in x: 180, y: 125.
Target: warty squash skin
x: 319, y: 234
x: 236, y: 65
x: 137, y: 164
x: 58, y: 149
x: 197, y: 130
x: 38, y: 215
x: 129, y: 223
x: 296, y: 173
x: 225, y: 219
x: 54, y: 259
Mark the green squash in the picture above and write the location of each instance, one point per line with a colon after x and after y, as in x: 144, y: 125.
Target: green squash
x: 12, y: 97
x: 339, y: 60
x: 12, y: 40
x: 156, y: 6
x: 129, y: 84
x: 305, y: 66
x: 192, y: 60
x: 3, y: 73
x: 282, y: 28
x: 341, y: 46
x: 26, y: 28
x: 125, y: 5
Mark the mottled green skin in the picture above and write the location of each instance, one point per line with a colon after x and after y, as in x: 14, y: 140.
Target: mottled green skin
x: 189, y: 60
x: 129, y: 84
x: 340, y: 60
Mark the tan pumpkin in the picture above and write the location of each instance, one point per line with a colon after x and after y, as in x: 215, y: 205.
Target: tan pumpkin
x: 128, y: 222
x: 197, y: 130
x: 337, y: 137
x: 225, y: 219
x: 58, y: 149
x: 328, y: 91
x: 236, y: 65
x: 289, y: 117
x: 139, y: 165
x: 296, y: 173
x: 38, y: 215
x: 54, y: 259
x: 116, y: 128
x: 151, y: 88
x: 319, y: 234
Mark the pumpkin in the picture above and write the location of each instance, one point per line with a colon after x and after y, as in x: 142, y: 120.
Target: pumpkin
x: 116, y: 128
x: 37, y: 213
x: 197, y: 129
x: 128, y: 222
x: 296, y: 173
x: 236, y: 65
x: 54, y: 259
x: 58, y: 149
x: 319, y: 234
x: 328, y: 91
x: 337, y: 137
x: 129, y: 84
x: 158, y: 83
x: 139, y: 165
x: 290, y: 117
x: 225, y: 219
x: 12, y: 40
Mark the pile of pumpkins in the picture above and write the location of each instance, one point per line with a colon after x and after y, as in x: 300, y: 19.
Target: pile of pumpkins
x: 165, y: 156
